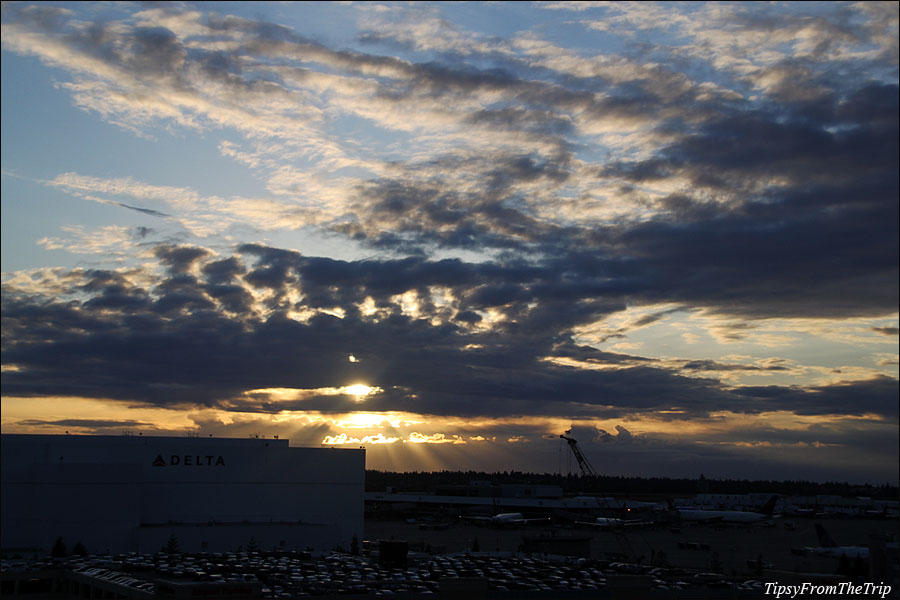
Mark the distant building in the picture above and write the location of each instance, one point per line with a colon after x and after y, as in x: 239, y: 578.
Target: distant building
x: 485, y: 489
x: 140, y: 493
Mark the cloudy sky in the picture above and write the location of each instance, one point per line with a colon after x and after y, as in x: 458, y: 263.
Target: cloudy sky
x: 451, y: 232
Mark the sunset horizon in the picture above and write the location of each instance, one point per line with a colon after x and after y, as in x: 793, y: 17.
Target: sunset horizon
x: 451, y: 232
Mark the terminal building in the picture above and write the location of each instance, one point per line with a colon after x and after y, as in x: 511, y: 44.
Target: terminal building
x: 116, y: 494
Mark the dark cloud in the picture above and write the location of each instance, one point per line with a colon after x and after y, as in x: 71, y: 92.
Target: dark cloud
x: 523, y: 119
x: 179, y: 259
x: 818, y: 240
x: 146, y: 211
x: 887, y: 331
x: 224, y: 271
x: 41, y: 15
x: 590, y: 354
x: 711, y: 365
x: 155, y: 51
x: 112, y: 290
x: 875, y: 396
x: 175, y: 344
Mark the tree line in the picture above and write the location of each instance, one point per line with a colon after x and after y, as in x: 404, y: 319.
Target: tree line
x: 429, y: 481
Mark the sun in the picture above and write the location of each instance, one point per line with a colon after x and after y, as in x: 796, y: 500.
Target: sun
x: 358, y: 390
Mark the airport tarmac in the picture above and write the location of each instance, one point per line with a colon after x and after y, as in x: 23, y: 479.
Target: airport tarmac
x: 721, y: 548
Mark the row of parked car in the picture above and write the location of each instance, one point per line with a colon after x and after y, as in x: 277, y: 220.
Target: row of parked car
x: 300, y: 574
x: 116, y: 577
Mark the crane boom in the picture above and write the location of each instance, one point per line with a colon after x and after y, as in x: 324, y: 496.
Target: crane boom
x: 587, y: 469
x: 583, y: 463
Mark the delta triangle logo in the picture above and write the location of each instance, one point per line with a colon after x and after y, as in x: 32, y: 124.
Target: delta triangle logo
x: 159, y: 462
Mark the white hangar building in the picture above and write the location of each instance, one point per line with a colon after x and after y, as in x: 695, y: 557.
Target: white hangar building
x: 132, y: 493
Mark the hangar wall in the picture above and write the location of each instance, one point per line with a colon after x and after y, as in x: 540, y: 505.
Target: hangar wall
x: 131, y: 493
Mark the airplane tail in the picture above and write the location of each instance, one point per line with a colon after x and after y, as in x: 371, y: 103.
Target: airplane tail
x: 824, y: 539
x: 769, y: 507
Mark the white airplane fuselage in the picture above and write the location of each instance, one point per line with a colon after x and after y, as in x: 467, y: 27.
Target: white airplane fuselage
x: 723, y: 516
x: 506, y: 520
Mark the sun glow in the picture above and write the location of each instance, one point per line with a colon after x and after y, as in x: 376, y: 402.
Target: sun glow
x: 359, y: 390
x: 363, y: 420
x: 343, y: 438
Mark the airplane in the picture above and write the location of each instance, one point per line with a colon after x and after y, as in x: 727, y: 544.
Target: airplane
x: 727, y: 516
x: 506, y: 520
x: 607, y: 522
x: 830, y: 548
x: 808, y: 512
x: 814, y: 512
x: 877, y: 514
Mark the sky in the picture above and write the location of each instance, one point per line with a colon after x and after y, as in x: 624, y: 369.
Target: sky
x: 451, y: 232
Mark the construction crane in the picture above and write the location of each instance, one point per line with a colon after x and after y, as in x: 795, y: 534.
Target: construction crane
x: 583, y: 463
x: 587, y: 469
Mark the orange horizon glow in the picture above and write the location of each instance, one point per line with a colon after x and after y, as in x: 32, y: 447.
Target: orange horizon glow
x: 41, y: 415
x: 398, y: 440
